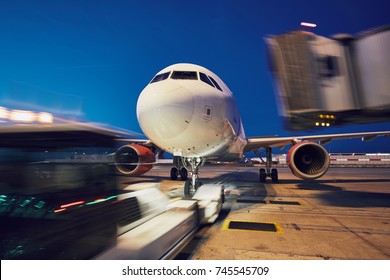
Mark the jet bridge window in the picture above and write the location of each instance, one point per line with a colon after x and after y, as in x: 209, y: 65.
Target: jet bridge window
x: 160, y: 77
x: 184, y: 75
x: 215, y: 83
x: 204, y: 78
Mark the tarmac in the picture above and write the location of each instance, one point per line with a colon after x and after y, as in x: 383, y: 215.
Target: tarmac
x: 344, y: 215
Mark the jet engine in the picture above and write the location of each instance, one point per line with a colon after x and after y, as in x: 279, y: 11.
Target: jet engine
x: 134, y: 159
x: 308, y: 160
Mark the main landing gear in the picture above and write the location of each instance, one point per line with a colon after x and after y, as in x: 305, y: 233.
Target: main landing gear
x: 178, y: 170
x: 268, y: 171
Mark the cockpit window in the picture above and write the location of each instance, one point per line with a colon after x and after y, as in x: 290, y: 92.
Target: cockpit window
x: 184, y: 75
x: 204, y: 78
x: 215, y: 83
x: 160, y: 77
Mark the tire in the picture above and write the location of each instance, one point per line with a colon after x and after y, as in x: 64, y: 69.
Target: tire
x: 174, y: 173
x: 183, y: 174
x: 263, y: 175
x: 189, y: 190
x: 274, y: 176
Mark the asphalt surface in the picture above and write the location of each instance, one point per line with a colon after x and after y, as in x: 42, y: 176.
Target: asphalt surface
x: 343, y: 215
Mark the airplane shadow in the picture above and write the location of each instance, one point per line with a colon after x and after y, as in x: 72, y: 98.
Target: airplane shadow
x: 329, y: 192
x: 332, y: 192
x: 245, y: 187
x: 356, y: 199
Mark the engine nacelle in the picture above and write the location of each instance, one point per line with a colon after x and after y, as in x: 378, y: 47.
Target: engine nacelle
x: 134, y: 159
x: 308, y: 160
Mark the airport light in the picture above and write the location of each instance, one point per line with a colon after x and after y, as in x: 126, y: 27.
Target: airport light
x: 44, y: 117
x: 325, y: 116
x: 101, y: 200
x: 308, y: 24
x: 22, y: 116
x: 4, y: 114
x: 72, y: 204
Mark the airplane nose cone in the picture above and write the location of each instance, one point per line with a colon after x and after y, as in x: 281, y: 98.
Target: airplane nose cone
x: 164, y: 113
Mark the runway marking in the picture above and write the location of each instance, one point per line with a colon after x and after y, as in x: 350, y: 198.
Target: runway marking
x: 250, y: 201
x: 285, y: 202
x: 175, y: 199
x: 278, y: 202
x: 252, y: 226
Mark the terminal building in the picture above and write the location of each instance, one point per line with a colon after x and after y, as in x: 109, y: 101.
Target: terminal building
x: 324, y: 82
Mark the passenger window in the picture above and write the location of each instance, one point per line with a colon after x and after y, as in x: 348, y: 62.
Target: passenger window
x: 160, y: 77
x: 215, y: 83
x: 204, y: 78
x: 184, y: 75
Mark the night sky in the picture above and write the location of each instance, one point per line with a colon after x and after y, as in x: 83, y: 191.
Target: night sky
x: 90, y: 60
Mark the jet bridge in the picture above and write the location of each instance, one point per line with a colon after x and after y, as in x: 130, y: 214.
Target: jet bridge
x: 324, y: 82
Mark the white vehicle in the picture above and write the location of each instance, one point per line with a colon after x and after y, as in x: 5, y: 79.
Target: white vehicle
x: 188, y: 111
x: 153, y: 228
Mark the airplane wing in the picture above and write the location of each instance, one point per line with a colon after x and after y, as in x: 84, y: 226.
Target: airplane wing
x: 256, y: 143
x: 82, y: 134
x: 144, y: 142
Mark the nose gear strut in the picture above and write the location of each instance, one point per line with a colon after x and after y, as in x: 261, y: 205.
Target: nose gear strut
x: 193, y: 184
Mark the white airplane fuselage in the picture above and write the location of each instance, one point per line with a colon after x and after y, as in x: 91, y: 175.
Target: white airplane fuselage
x: 189, y: 111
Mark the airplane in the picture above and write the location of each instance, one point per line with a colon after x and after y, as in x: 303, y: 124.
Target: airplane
x: 188, y: 111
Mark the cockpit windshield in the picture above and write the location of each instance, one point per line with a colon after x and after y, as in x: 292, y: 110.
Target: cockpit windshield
x: 215, y: 83
x: 160, y: 77
x: 187, y: 75
x: 204, y: 78
x: 184, y: 75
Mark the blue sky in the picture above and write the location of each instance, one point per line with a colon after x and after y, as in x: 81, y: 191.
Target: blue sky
x: 91, y: 59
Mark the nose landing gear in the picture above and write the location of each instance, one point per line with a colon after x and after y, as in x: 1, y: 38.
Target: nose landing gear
x: 185, y: 164
x: 192, y: 185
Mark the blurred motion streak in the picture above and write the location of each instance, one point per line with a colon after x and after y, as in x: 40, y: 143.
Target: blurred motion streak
x: 24, y: 116
x: 60, y: 199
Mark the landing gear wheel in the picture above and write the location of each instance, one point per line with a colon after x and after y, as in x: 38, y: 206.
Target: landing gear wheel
x: 274, y: 175
x: 183, y: 174
x: 174, y: 173
x: 263, y: 175
x: 189, y: 189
